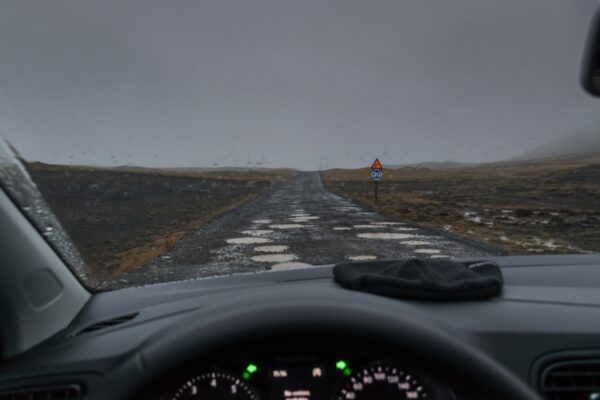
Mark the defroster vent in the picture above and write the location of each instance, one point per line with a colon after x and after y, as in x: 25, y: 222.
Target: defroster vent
x: 572, y: 380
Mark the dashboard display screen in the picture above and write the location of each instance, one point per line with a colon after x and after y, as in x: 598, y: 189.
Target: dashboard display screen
x: 298, y: 383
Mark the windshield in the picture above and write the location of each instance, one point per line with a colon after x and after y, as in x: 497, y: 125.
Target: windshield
x: 180, y: 140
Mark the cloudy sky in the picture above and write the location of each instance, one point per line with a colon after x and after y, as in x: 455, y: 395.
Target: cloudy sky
x: 299, y: 83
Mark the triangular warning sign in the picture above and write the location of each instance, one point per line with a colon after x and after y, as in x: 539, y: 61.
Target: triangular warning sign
x: 376, y: 164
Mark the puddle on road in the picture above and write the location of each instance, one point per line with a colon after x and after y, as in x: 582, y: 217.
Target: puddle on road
x: 385, y: 235
x: 271, y: 249
x: 341, y: 228
x: 362, y: 257
x: 276, y: 258
x: 286, y: 226
x: 290, y: 265
x: 257, y: 232
x: 248, y: 240
x: 416, y: 243
x: 427, y: 251
x: 262, y: 221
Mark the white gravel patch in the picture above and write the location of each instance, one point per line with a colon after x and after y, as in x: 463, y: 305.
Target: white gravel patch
x: 416, y: 243
x: 262, y: 221
x: 257, y: 232
x: 290, y: 265
x: 248, y: 240
x: 362, y: 257
x: 385, y: 235
x: 271, y: 249
x: 286, y: 226
x: 427, y: 251
x: 276, y: 258
x: 341, y: 228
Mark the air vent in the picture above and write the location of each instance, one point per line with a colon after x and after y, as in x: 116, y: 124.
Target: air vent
x: 107, y: 323
x: 70, y: 392
x: 572, y: 380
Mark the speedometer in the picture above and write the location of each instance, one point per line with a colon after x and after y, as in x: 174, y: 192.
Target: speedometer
x: 382, y: 381
x: 215, y: 385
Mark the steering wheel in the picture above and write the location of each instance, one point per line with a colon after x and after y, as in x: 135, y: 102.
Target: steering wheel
x: 280, y: 311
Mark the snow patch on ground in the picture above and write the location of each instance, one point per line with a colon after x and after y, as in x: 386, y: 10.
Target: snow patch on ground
x: 387, y: 223
x: 415, y: 243
x: 362, y: 257
x: 271, y: 249
x: 427, y: 251
x: 276, y: 258
x: 262, y: 221
x: 286, y: 226
x: 248, y: 240
x: 289, y: 265
x: 341, y: 228
x: 385, y: 235
x: 257, y: 232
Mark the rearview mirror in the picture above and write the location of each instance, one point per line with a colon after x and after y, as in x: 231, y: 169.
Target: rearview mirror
x: 590, y: 72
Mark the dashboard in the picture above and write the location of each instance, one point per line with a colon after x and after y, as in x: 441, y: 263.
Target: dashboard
x: 297, y: 335
x: 342, y: 369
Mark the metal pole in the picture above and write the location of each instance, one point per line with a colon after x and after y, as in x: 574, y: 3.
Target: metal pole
x: 376, y: 193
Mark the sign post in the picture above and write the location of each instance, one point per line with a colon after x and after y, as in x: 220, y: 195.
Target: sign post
x: 376, y: 175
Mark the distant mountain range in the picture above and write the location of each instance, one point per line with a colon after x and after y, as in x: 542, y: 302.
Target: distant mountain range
x: 587, y: 144
x: 569, y: 148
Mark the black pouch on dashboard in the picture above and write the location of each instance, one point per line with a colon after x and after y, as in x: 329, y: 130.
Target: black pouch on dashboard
x: 423, y: 279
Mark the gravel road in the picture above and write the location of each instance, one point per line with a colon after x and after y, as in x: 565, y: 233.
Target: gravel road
x: 297, y: 224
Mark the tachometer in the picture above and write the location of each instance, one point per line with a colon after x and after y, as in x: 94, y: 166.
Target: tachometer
x: 382, y: 381
x: 215, y: 385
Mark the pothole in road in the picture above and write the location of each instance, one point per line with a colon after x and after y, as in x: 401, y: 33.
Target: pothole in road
x: 362, y: 257
x: 289, y: 265
x: 286, y: 226
x: 385, y: 235
x: 262, y: 221
x: 248, y: 240
x: 257, y: 232
x: 341, y: 228
x: 427, y: 251
x: 271, y: 249
x: 276, y: 258
x: 415, y: 243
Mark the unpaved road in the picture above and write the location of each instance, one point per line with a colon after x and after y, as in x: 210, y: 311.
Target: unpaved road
x: 296, y: 224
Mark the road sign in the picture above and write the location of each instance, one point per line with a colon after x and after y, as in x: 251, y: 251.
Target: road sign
x: 376, y: 174
x: 376, y: 165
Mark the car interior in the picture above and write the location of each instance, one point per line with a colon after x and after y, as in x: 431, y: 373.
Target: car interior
x: 295, y: 334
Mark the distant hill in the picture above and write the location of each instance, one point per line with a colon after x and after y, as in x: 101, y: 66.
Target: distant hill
x: 581, y: 145
x: 434, y: 165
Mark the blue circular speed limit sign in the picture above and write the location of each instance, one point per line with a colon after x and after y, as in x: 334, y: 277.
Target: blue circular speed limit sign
x: 376, y: 174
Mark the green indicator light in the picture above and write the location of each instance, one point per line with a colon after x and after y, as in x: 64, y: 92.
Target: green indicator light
x: 251, y: 368
x: 245, y: 375
x: 341, y: 365
x: 347, y: 372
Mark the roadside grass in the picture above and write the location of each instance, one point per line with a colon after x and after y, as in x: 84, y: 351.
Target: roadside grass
x: 524, y: 208
x: 121, y: 218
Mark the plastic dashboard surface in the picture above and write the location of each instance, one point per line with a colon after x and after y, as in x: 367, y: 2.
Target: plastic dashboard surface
x: 550, y: 304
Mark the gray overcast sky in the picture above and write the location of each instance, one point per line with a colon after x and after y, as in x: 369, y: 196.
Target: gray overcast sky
x: 301, y: 83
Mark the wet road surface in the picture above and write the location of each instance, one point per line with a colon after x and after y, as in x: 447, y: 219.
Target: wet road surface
x: 297, y: 224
